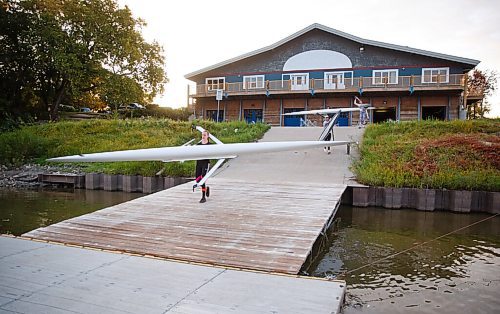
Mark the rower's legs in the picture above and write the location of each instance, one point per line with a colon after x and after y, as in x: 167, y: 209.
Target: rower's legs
x: 203, y: 191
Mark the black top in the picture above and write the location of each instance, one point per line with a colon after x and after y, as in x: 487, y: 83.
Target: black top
x: 205, y: 161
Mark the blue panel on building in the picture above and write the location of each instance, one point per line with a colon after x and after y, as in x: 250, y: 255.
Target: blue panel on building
x: 317, y: 75
x: 364, y: 73
x: 410, y: 71
x: 234, y: 78
x: 273, y: 76
x: 343, y: 121
x: 291, y: 121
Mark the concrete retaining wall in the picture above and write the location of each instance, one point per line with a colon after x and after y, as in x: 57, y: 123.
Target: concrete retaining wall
x: 424, y: 199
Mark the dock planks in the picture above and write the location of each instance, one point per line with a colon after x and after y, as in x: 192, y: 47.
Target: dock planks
x: 260, y: 226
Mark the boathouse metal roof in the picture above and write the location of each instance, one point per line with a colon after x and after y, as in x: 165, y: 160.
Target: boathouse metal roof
x: 333, y: 31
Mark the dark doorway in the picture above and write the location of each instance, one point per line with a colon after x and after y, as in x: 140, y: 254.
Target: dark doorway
x: 212, y: 115
x: 385, y: 114
x: 434, y: 113
x: 292, y: 120
x: 252, y: 115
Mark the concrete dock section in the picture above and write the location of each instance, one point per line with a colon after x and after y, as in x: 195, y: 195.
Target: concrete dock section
x: 37, y: 277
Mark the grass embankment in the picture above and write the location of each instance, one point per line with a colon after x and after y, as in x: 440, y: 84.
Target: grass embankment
x: 35, y: 143
x: 432, y: 154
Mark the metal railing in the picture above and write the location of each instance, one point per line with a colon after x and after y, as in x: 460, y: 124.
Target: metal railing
x: 333, y: 85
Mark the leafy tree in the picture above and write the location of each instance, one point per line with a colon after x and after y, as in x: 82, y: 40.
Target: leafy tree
x: 481, y: 84
x: 75, y: 50
x: 17, y: 91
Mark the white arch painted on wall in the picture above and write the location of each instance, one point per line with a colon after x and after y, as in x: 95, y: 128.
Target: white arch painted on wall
x: 317, y: 59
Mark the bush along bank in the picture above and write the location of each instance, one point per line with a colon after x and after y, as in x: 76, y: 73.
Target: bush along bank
x: 35, y: 143
x: 430, y: 165
x: 456, y: 155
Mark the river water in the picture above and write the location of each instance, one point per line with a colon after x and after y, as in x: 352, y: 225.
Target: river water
x: 23, y: 210
x: 391, y: 260
x: 412, y: 270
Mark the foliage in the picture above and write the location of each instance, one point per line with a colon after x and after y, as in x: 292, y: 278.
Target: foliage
x: 153, y: 110
x: 432, y: 154
x: 76, y: 137
x: 480, y: 84
x: 73, y: 51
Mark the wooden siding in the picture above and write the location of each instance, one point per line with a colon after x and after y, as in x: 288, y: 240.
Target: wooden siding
x: 294, y: 103
x: 315, y: 104
x: 232, y: 108
x: 409, y: 108
x: 272, y: 111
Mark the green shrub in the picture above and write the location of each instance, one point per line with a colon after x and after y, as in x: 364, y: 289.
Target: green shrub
x: 38, y: 142
x: 431, y: 154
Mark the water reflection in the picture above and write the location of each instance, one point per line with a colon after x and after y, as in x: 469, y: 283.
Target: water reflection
x: 456, y: 273
x: 23, y: 210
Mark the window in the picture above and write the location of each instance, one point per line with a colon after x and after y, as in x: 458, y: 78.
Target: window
x: 212, y: 115
x: 435, y: 75
x: 299, y: 81
x: 253, y: 82
x: 252, y: 115
x: 385, y: 76
x: 215, y: 83
x: 334, y: 80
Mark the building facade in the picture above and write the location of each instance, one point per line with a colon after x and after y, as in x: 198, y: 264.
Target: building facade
x: 320, y: 67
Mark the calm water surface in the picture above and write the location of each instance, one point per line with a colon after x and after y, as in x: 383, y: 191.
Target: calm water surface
x: 459, y: 273
x: 25, y: 210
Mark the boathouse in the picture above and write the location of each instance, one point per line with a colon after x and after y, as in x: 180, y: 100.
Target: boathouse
x: 320, y: 67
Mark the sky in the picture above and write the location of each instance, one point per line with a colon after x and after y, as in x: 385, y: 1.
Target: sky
x: 197, y: 33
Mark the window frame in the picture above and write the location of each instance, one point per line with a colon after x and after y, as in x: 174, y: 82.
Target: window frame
x: 447, y: 76
x: 209, y: 113
x: 306, y: 80
x: 381, y: 77
x: 325, y: 79
x: 210, y: 86
x: 247, y: 85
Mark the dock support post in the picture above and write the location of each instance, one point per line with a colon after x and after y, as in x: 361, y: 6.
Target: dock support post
x: 93, y: 181
x: 460, y: 201
x: 130, y: 184
x: 425, y: 199
x: 168, y: 182
x: 110, y: 182
x: 360, y: 196
x: 151, y: 184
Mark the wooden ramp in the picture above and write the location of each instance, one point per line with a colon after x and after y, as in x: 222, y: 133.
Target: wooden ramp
x: 267, y: 227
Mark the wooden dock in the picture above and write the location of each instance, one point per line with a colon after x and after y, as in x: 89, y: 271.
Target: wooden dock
x: 248, y: 225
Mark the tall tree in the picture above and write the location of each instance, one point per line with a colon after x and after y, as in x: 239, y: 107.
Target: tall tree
x: 17, y: 95
x: 82, y: 48
x: 480, y: 84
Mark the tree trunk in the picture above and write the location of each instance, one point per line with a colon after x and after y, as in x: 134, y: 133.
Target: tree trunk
x: 54, y: 112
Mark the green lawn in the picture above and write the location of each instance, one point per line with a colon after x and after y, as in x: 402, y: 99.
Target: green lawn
x: 432, y: 154
x: 35, y: 143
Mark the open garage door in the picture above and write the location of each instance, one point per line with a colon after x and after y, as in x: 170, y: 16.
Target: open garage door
x: 434, y: 112
x: 384, y: 114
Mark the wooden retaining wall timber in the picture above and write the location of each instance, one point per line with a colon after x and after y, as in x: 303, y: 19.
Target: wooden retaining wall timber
x: 114, y: 182
x: 423, y: 199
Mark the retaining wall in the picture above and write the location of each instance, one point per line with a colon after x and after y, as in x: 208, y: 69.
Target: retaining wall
x: 423, y: 199
x: 111, y: 182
